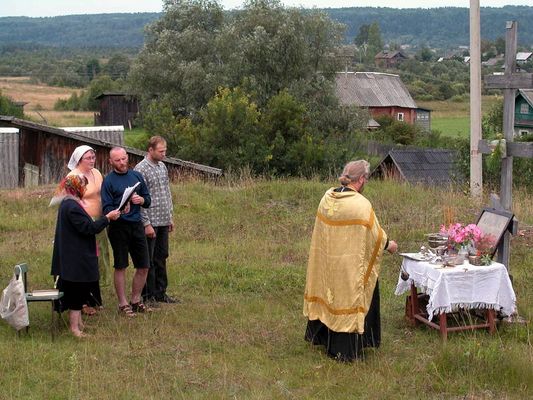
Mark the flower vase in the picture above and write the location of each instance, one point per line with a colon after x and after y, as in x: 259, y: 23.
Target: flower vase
x: 462, y: 254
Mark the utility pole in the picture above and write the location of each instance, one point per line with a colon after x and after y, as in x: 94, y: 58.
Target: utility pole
x: 476, y: 175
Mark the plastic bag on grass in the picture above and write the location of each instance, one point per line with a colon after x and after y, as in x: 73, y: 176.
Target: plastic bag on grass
x: 13, y: 305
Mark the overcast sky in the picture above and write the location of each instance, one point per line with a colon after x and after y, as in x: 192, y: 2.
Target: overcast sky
x: 46, y: 8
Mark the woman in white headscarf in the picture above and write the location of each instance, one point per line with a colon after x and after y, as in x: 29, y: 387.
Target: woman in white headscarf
x: 82, y: 162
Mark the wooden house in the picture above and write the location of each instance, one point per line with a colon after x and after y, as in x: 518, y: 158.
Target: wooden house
x: 523, y: 112
x: 389, y: 58
x: 419, y: 166
x: 381, y: 94
x: 38, y: 154
x: 116, y: 109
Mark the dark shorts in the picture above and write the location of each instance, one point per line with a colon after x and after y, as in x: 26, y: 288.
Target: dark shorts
x: 128, y: 238
x: 75, y: 294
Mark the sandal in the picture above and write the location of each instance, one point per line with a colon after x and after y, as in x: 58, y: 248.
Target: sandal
x: 140, y: 307
x: 126, y: 310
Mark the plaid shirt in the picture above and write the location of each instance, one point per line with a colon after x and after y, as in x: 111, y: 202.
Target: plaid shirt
x: 156, y: 176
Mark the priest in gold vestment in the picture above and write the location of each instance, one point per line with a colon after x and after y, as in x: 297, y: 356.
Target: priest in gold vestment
x: 341, y: 299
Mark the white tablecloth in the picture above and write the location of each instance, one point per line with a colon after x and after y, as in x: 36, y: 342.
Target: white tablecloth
x: 463, y: 286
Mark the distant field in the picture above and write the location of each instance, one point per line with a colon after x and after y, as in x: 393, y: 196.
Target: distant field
x: 41, y: 100
x: 452, y: 119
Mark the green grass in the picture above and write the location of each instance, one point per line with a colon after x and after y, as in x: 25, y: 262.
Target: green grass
x: 136, y: 137
x: 452, y: 126
x: 237, y: 261
x: 453, y: 118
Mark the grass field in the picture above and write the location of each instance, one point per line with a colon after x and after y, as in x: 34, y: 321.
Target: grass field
x: 237, y: 261
x: 453, y: 119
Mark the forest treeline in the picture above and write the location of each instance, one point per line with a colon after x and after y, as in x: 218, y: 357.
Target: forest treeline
x: 433, y: 27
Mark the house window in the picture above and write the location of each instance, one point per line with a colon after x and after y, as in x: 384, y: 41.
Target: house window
x: 523, y: 133
x: 400, y: 116
x: 524, y: 108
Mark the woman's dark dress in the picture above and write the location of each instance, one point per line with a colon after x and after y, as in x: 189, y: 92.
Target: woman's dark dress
x: 74, y: 258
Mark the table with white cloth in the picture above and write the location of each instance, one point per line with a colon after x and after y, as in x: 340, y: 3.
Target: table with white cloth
x: 449, y: 290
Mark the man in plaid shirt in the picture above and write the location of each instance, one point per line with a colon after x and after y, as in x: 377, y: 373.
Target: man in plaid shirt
x: 157, y: 220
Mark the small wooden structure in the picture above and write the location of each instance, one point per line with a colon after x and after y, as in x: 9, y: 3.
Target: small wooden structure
x: 419, y: 166
x: 381, y: 94
x: 44, y: 151
x: 117, y: 109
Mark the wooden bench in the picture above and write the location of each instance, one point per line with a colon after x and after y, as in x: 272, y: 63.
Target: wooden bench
x: 51, y: 295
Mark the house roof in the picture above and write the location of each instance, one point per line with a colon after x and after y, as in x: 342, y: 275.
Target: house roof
x: 491, y: 62
x: 372, y: 124
x: 527, y: 94
x: 372, y: 89
x: 387, y: 54
x: 104, y: 94
x: 428, y: 166
x: 523, y: 55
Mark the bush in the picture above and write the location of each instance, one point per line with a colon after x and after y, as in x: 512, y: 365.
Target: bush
x: 8, y: 108
x: 459, y: 98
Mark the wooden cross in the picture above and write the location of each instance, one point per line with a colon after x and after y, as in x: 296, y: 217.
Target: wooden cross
x: 509, y: 82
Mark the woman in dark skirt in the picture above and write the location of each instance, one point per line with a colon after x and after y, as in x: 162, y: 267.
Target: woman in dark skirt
x: 74, y: 258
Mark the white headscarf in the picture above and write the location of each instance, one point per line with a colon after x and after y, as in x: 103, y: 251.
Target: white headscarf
x: 77, y: 155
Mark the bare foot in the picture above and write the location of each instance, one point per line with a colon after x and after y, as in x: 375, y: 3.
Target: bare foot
x: 79, y: 334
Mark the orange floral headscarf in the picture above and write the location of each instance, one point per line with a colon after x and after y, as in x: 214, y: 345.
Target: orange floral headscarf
x: 73, y: 185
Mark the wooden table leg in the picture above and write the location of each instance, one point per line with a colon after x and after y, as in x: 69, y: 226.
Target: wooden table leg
x: 491, y: 320
x: 443, y: 326
x: 414, y: 304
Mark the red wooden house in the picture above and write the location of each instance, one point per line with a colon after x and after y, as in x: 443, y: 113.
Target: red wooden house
x: 381, y: 94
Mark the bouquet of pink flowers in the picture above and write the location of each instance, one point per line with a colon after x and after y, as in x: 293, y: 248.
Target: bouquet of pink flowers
x: 459, y: 235
x: 470, y: 237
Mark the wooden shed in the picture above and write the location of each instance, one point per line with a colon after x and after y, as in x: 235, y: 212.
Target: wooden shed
x: 381, y: 94
x: 117, y: 109
x: 43, y: 152
x: 419, y: 166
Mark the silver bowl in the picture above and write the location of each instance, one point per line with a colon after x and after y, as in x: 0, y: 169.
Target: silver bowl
x: 437, y: 240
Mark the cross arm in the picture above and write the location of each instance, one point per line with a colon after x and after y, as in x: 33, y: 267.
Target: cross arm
x: 514, y: 149
x: 511, y: 81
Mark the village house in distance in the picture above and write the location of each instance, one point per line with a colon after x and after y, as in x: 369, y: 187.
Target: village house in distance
x: 381, y: 94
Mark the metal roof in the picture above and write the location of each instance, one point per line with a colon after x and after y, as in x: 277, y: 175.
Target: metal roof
x: 112, y: 134
x: 523, y: 55
x: 372, y: 89
x: 428, y: 166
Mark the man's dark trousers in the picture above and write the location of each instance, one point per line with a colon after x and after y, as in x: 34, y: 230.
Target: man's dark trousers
x: 157, y: 282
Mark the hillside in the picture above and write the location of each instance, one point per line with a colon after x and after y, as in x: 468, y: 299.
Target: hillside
x: 436, y: 27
